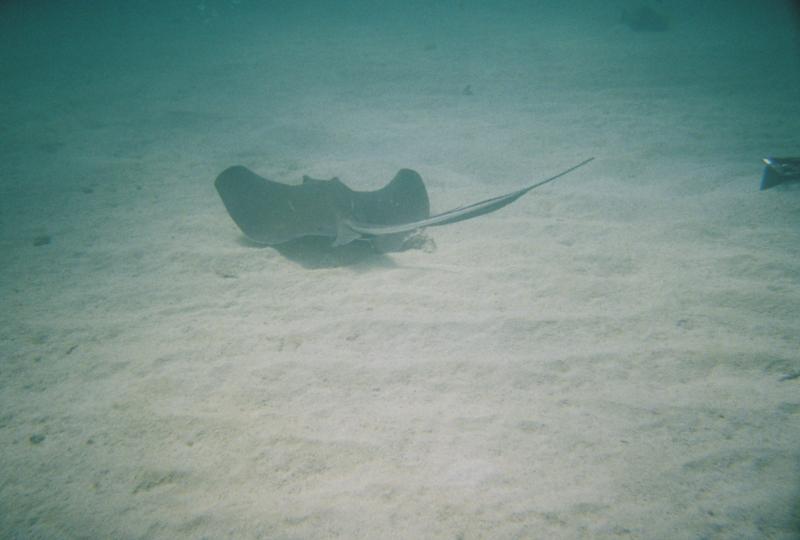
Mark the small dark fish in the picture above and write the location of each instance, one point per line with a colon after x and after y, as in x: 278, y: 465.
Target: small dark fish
x: 41, y: 240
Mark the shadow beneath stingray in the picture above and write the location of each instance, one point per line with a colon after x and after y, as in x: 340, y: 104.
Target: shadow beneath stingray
x: 316, y: 252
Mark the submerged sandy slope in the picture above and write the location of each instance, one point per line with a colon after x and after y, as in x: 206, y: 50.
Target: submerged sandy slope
x: 615, y: 355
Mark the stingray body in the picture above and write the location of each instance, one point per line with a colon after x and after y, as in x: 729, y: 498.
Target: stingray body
x: 273, y: 213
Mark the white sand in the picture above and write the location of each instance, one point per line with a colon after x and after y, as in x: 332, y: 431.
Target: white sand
x: 613, y: 356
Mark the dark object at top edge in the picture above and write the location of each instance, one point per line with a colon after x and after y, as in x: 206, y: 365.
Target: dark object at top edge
x: 645, y: 19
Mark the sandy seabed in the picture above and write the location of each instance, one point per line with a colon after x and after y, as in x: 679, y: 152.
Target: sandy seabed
x: 613, y: 356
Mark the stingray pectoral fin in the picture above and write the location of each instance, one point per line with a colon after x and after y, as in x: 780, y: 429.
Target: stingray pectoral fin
x: 452, y: 216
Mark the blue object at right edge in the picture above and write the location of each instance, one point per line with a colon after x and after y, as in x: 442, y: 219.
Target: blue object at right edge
x: 780, y: 170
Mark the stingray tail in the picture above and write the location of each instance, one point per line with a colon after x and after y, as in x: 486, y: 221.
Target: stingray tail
x: 344, y: 233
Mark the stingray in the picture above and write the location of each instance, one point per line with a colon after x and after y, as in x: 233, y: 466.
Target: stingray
x: 273, y: 213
